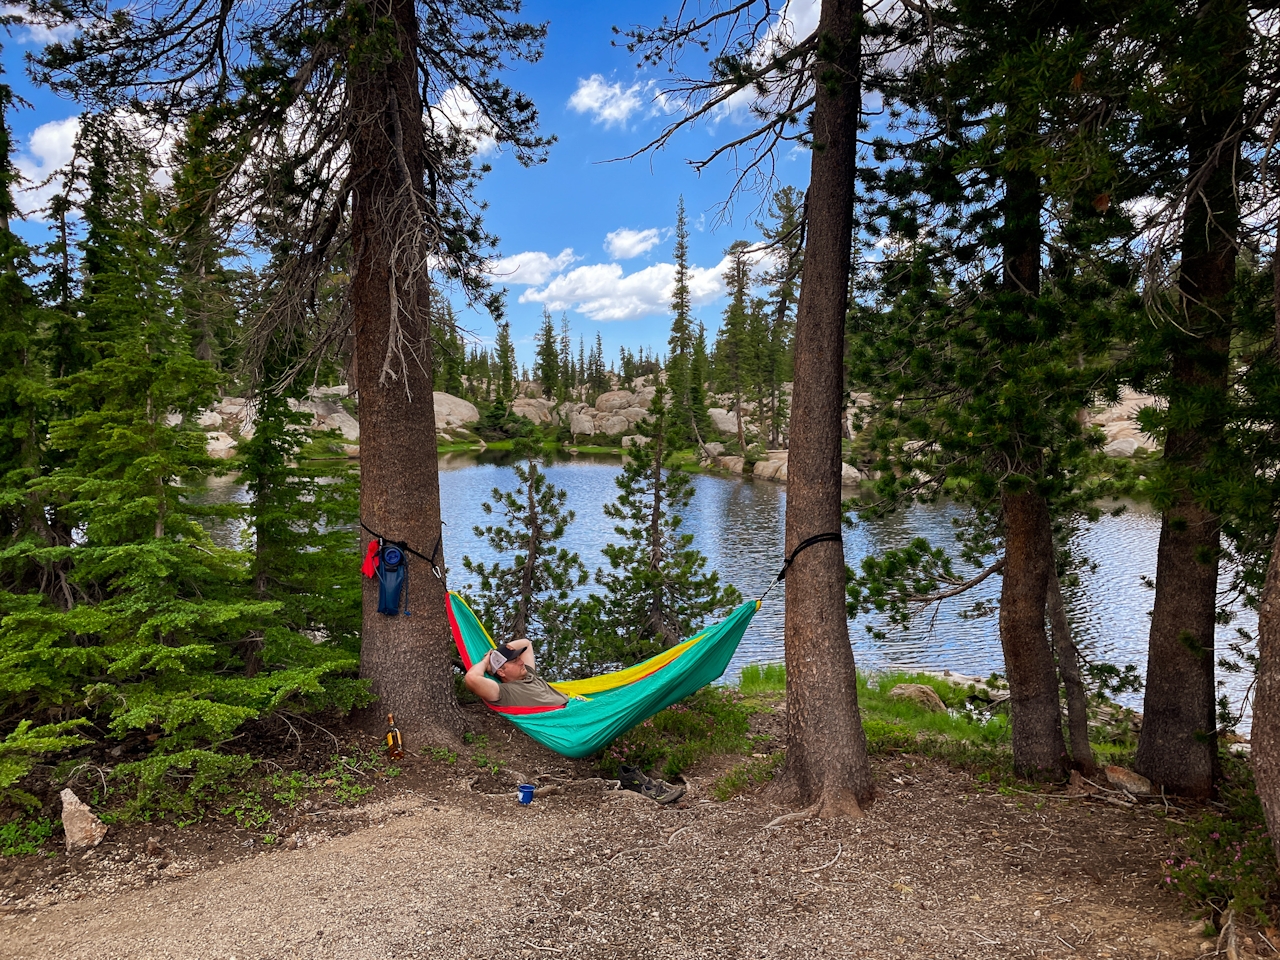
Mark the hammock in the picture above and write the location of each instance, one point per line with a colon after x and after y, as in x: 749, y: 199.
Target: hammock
x: 611, y: 703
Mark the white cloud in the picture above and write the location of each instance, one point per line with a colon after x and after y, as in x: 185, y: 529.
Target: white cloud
x: 458, y: 109
x: 50, y: 146
x: 624, y: 243
x: 31, y: 30
x: 608, y: 103
x: 531, y: 267
x: 603, y: 291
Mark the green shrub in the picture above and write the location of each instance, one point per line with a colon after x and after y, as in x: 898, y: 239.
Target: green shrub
x: 712, y: 721
x: 1225, y: 859
x: 24, y: 837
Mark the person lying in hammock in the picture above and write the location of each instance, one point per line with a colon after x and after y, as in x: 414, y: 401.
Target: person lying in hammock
x: 518, y: 683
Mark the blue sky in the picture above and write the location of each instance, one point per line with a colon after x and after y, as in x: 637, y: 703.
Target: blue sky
x: 579, y: 235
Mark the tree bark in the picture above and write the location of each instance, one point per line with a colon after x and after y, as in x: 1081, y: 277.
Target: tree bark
x: 1266, y: 697
x: 1038, y: 748
x: 1178, y: 746
x: 1069, y: 673
x: 827, y: 761
x: 406, y: 658
x: 1035, y: 712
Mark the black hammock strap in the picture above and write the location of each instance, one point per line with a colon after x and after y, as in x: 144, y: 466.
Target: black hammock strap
x: 404, y: 546
x: 830, y: 537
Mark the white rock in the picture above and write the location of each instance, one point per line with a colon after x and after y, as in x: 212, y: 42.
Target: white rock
x: 1123, y: 447
x: 1126, y: 410
x: 581, y: 425
x: 247, y: 432
x: 220, y: 446
x: 849, y: 474
x: 613, y: 426
x: 766, y: 469
x: 344, y: 423
x: 341, y: 390
x: 317, y: 408
x: 81, y: 825
x: 615, y: 400
x: 453, y: 411
x: 172, y: 419
x: 723, y: 420
x: 713, y: 449
x: 209, y: 419
x: 231, y: 406
x: 732, y: 464
x: 635, y: 414
x: 539, y: 410
x: 634, y: 440
x: 645, y: 395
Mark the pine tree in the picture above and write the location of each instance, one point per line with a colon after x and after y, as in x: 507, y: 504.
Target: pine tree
x: 448, y: 351
x: 531, y: 594
x: 597, y: 375
x: 568, y: 372
x: 547, y: 369
x: 303, y: 557
x: 680, y: 343
x: 325, y: 115
x: 782, y: 285
x: 657, y: 590
x: 23, y: 390
x: 503, y: 364
x: 734, y: 361
x: 158, y: 633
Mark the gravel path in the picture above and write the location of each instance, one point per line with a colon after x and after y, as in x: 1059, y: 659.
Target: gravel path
x: 938, y: 868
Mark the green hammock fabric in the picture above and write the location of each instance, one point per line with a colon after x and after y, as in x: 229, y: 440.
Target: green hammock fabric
x: 606, y: 706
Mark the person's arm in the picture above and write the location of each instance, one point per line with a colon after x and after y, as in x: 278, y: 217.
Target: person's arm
x: 486, y: 688
x: 525, y: 646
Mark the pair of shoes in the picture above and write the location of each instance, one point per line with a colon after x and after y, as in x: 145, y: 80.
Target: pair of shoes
x: 658, y: 791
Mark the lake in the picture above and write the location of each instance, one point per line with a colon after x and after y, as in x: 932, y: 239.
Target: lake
x: 739, y: 525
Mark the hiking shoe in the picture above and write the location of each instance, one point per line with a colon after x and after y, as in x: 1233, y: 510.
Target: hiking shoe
x: 659, y: 791
x: 629, y: 778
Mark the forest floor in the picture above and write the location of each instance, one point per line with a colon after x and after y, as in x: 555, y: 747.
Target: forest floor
x: 441, y: 861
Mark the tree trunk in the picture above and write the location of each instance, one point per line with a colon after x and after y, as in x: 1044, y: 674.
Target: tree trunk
x: 1178, y: 746
x: 826, y: 747
x: 1069, y: 672
x: 1038, y: 748
x: 1266, y: 698
x: 520, y: 628
x: 1035, y: 714
x: 406, y: 658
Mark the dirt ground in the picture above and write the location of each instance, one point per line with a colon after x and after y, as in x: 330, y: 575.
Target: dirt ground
x: 442, y: 862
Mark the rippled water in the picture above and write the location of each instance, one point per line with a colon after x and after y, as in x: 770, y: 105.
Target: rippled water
x: 739, y: 525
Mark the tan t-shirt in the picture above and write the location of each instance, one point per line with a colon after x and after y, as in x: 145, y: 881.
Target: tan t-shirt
x: 531, y: 691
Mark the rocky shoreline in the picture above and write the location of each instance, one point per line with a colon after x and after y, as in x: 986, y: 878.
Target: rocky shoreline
x: 613, y: 417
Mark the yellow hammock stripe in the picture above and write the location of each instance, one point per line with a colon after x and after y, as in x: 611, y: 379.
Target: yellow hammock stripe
x: 620, y: 678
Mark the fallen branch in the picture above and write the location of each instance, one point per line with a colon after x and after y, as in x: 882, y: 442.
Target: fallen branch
x: 689, y: 826
x: 791, y: 817
x: 829, y: 863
